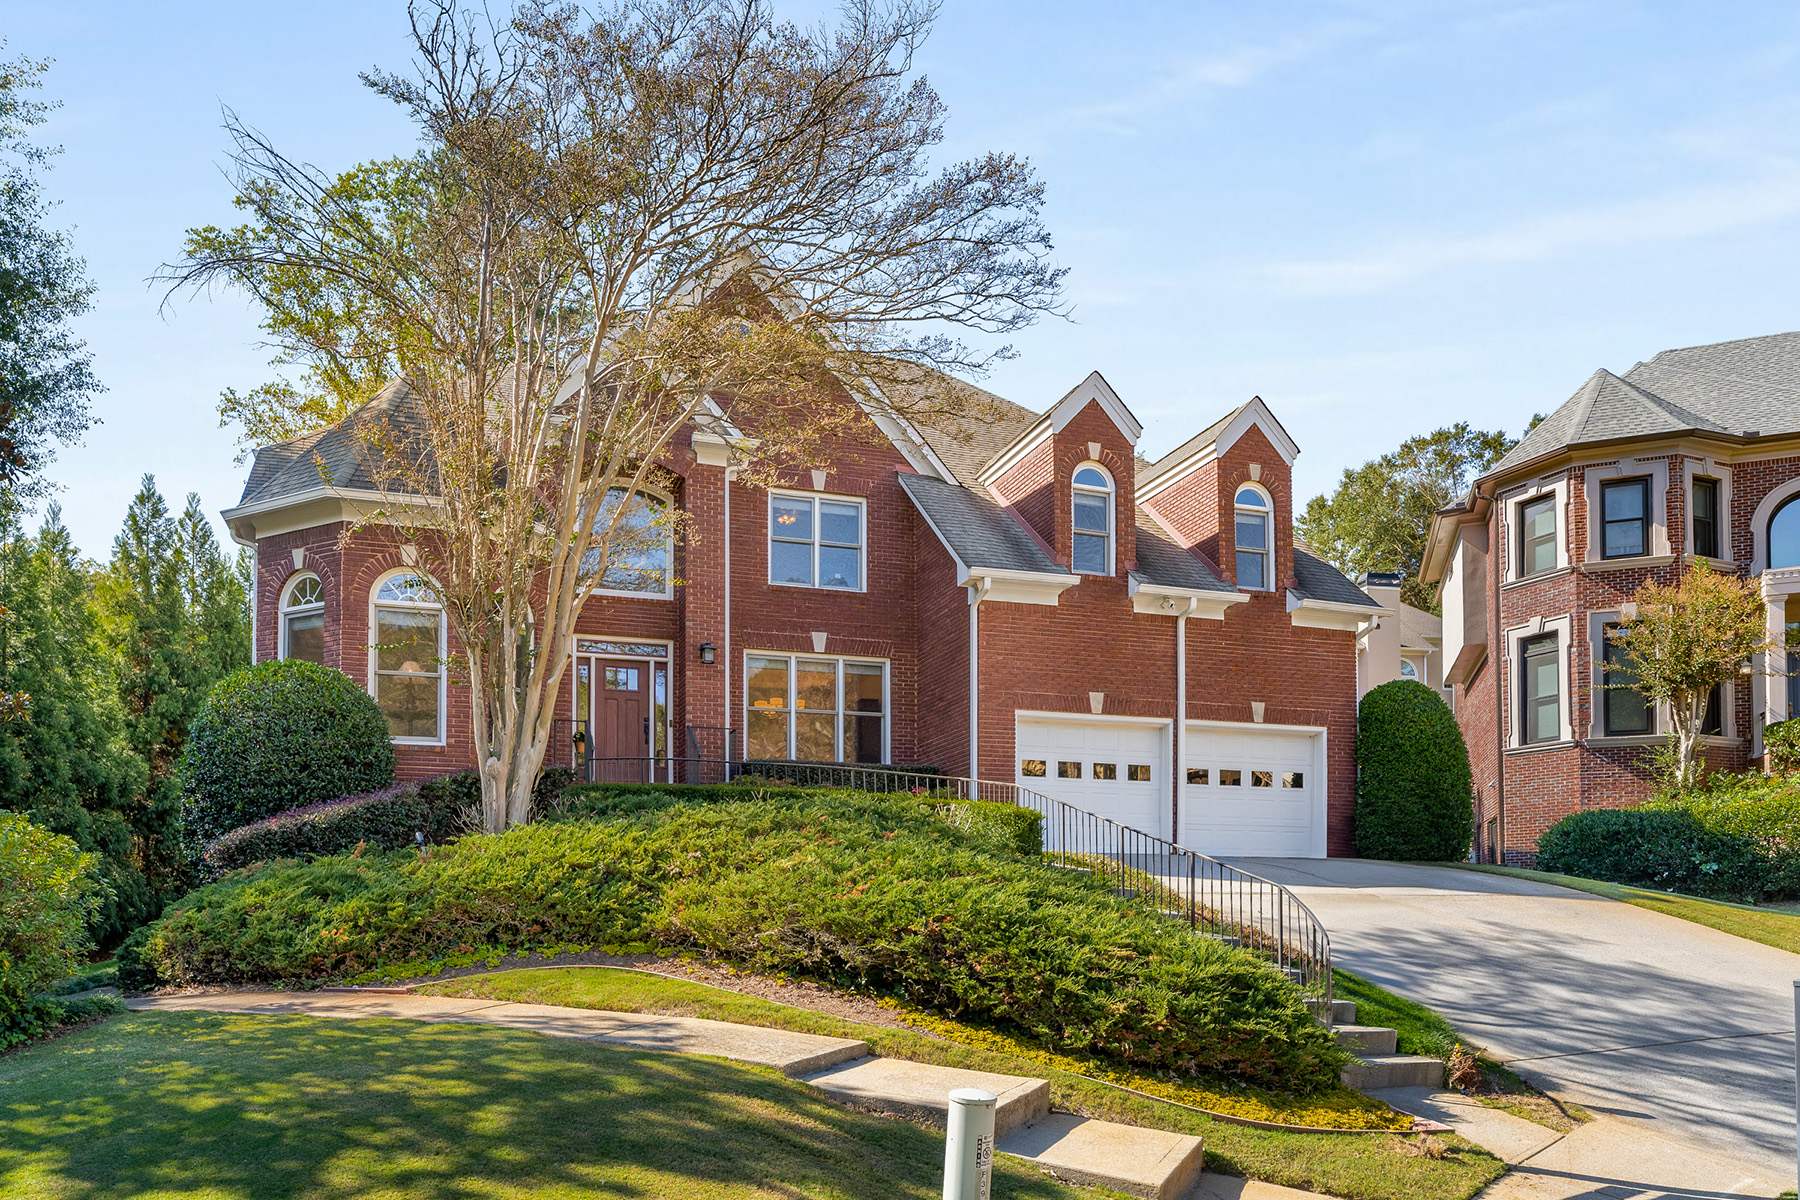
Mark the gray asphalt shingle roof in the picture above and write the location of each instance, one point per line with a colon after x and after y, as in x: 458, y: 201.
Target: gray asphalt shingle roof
x: 978, y: 531
x: 335, y: 456
x: 1319, y: 580
x: 1733, y: 388
x: 1161, y: 562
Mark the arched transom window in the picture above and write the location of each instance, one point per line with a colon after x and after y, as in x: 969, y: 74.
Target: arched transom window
x: 1255, y: 567
x: 1093, y: 520
x: 303, y: 619
x: 407, y: 658
x: 638, y: 557
x: 1784, y: 534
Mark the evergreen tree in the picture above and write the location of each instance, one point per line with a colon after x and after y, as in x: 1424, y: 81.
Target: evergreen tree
x: 65, y: 762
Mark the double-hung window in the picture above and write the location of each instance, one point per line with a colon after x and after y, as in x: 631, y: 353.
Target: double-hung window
x: 1626, y: 710
x: 1624, y: 518
x: 816, y: 541
x: 408, y: 659
x: 1537, y: 535
x: 1092, y: 520
x: 303, y: 620
x: 1253, y: 541
x: 1540, y: 691
x: 1706, y: 518
x: 815, y: 709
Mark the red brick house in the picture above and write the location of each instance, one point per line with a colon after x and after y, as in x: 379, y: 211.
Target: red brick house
x: 1694, y: 454
x: 1037, y: 604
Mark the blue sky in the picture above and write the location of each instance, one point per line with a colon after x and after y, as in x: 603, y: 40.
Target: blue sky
x: 1380, y: 216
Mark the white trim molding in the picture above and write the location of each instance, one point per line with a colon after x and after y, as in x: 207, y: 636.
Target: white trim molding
x: 1557, y: 486
x: 1708, y: 468
x: 1593, y: 480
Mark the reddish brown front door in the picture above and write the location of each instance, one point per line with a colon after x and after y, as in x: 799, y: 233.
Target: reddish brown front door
x: 621, y: 709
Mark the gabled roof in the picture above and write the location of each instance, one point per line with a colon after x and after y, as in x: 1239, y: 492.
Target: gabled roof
x: 1735, y: 390
x: 1092, y: 390
x: 1212, y: 442
x: 1418, y: 628
x: 978, y: 533
x: 1319, y: 580
x: 333, y: 457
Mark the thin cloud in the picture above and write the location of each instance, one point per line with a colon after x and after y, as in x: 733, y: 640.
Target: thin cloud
x: 1677, y: 216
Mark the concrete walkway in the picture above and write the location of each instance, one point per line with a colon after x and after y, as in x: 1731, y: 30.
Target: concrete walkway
x: 1150, y: 1163
x: 1681, y: 1035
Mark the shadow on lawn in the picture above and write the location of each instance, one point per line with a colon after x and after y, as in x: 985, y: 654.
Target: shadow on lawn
x: 267, y: 1107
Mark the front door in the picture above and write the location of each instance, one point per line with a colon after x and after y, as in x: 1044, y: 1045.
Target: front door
x: 621, y: 720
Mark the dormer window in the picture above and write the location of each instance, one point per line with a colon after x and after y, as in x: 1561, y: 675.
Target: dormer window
x: 1093, y: 520
x: 1254, y: 542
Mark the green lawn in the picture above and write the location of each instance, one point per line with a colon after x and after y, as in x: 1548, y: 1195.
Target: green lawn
x: 203, y: 1106
x: 1363, y: 1167
x: 1779, y: 928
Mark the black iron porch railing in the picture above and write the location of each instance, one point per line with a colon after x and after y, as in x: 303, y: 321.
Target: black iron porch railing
x: 1213, y: 898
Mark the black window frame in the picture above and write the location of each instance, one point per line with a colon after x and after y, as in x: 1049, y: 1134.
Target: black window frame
x: 1530, y: 650
x: 1706, y: 544
x: 1527, y: 542
x: 1642, y: 520
x: 1608, y: 665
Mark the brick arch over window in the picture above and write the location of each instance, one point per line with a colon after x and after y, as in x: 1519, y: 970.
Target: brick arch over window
x: 1119, y: 469
x: 1776, y: 501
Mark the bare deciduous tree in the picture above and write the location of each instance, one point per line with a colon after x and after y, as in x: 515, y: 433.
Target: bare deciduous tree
x: 623, y: 224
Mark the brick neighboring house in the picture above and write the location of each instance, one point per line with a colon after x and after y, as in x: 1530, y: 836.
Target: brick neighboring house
x: 1694, y: 454
x: 1035, y: 604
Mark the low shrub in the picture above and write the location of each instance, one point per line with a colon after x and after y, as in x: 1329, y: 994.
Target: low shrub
x: 877, y: 891
x: 276, y: 736
x: 896, y: 778
x: 1782, y: 741
x: 1659, y: 847
x: 387, y: 820
x: 49, y: 890
x: 1414, y: 801
x: 1020, y: 830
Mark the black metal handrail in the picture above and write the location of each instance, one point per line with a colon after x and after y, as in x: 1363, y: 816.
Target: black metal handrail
x: 1216, y: 899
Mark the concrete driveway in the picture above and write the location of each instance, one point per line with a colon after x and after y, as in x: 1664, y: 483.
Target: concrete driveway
x: 1682, y: 1028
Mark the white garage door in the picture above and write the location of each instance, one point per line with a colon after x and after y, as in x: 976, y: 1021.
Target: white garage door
x: 1254, y: 791
x: 1110, y: 768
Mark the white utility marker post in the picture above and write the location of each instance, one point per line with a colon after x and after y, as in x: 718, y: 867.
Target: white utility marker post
x: 969, y: 1150
x: 1796, y: 1083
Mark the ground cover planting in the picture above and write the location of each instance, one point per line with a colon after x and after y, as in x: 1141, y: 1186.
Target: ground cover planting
x: 1362, y: 1166
x: 878, y: 892
x: 254, y: 1108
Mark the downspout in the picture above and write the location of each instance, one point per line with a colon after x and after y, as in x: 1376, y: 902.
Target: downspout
x: 976, y: 595
x: 1496, y: 568
x: 255, y: 579
x: 727, y: 701
x: 1180, y: 739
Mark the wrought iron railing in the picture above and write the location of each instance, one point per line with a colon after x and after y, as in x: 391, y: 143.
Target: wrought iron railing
x: 1213, y: 898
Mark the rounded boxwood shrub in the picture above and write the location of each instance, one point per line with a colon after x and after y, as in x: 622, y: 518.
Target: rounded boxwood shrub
x: 1413, y: 783
x: 275, y: 736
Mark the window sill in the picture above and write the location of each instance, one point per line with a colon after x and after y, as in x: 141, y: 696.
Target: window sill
x: 1538, y: 747
x: 399, y: 741
x: 612, y: 595
x: 814, y: 587
x: 1540, y: 577
x: 1633, y: 562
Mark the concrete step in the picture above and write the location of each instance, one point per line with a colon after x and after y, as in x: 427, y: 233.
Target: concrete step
x: 1365, y: 1040
x: 1125, y: 893
x: 1228, y: 939
x: 1293, y: 974
x: 1343, y: 1012
x: 1124, y: 1158
x: 1394, y: 1070
x: 920, y: 1092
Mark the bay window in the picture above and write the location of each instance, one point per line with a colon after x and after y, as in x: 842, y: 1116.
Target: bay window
x: 1706, y: 518
x: 407, y: 658
x: 1537, y: 535
x: 1540, y: 690
x: 1624, y: 518
x: 1627, y: 711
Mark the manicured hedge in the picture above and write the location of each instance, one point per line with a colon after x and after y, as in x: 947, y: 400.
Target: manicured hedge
x: 1782, y: 740
x: 1737, y: 838
x: 276, y: 736
x: 897, y: 778
x: 1414, y: 801
x: 386, y: 820
x: 872, y: 890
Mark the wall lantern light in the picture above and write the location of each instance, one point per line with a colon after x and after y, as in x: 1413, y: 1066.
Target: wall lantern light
x: 708, y: 653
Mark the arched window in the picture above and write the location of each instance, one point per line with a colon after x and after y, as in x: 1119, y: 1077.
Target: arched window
x: 1093, y: 520
x: 303, y: 619
x: 638, y: 559
x: 1408, y: 669
x: 407, y: 657
x: 1255, y: 568
x: 1784, y: 534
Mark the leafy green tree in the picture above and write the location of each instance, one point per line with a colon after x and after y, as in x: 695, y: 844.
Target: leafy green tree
x: 49, y: 891
x: 174, y: 618
x: 1380, y: 514
x: 66, y: 763
x: 46, y: 378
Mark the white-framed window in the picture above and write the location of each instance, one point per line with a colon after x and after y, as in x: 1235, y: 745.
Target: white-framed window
x: 1409, y: 669
x: 812, y: 708
x: 639, y: 557
x: 1092, y: 519
x: 302, y: 626
x: 816, y: 540
x: 407, y: 657
x: 1253, y: 533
